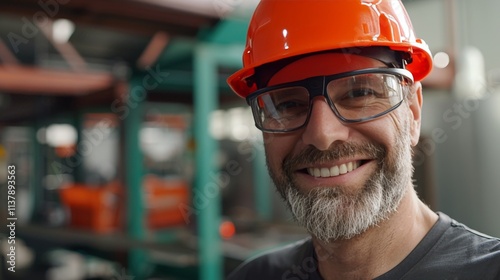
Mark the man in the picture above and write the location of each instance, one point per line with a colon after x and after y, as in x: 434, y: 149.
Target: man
x: 334, y: 86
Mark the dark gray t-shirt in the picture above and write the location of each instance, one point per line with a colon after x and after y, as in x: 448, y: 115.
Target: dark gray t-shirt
x: 449, y: 251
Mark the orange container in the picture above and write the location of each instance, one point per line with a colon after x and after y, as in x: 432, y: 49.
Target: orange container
x: 98, y: 208
x: 165, y: 201
x: 93, y: 207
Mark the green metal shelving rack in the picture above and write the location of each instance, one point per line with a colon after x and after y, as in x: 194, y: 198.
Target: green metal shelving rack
x: 221, y: 46
x: 208, y: 57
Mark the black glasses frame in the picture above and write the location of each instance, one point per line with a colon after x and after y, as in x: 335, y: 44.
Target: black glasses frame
x: 316, y: 86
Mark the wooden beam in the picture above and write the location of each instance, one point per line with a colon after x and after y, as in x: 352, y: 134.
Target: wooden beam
x: 124, y: 15
x: 6, y: 56
x: 67, y: 51
x: 36, y: 81
x: 153, y: 50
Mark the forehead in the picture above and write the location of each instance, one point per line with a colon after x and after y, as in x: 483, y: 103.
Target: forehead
x: 322, y: 65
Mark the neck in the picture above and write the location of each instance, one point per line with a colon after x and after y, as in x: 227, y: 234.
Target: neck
x: 380, y: 248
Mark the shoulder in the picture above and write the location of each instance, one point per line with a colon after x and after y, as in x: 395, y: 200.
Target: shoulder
x: 451, y: 250
x: 277, y: 263
x: 466, y: 240
x: 464, y: 252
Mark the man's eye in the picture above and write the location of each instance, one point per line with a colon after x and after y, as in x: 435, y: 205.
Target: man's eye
x: 362, y: 92
x: 290, y: 105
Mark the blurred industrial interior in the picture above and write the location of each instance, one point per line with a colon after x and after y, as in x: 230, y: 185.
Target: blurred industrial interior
x: 135, y: 161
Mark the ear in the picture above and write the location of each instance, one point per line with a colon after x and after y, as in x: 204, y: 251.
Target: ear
x: 415, y: 105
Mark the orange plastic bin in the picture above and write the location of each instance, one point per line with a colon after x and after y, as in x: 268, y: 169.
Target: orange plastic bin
x: 93, y: 207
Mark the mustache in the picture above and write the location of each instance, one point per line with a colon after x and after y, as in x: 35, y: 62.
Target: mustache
x: 311, y: 155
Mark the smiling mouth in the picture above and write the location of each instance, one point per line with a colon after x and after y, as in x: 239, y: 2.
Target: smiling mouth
x: 334, y: 171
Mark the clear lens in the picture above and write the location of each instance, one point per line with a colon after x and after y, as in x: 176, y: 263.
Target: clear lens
x: 281, y: 109
x: 353, y: 98
x: 363, y: 96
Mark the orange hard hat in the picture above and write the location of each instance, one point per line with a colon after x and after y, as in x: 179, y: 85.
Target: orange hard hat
x: 281, y: 29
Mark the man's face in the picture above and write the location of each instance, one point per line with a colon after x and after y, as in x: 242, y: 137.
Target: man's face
x: 339, y: 180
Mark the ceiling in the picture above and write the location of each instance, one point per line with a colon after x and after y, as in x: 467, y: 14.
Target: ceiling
x: 110, y: 37
x: 106, y: 32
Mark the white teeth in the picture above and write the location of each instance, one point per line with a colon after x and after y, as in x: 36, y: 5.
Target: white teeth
x: 325, y: 172
x: 343, y: 169
x: 334, y: 170
x: 317, y: 172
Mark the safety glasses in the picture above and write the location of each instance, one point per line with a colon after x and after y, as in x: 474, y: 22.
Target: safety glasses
x: 355, y: 96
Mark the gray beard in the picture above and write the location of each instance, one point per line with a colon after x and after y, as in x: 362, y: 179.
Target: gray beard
x: 334, y: 213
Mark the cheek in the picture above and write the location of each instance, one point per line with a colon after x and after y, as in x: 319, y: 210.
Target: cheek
x: 277, y: 147
x: 398, y: 131
x: 383, y: 131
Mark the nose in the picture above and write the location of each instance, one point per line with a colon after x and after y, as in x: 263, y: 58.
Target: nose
x: 323, y: 128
